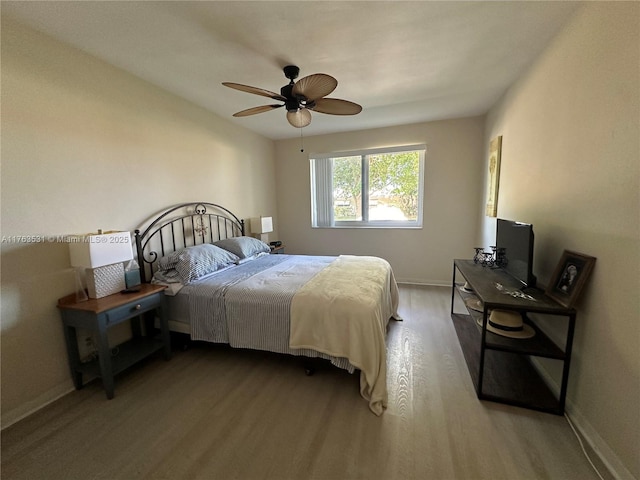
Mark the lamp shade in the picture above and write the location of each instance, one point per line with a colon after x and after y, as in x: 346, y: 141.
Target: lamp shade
x: 101, y: 256
x: 262, y: 225
x: 97, y: 250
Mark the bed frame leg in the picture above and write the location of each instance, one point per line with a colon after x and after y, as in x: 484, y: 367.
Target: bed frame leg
x: 180, y: 341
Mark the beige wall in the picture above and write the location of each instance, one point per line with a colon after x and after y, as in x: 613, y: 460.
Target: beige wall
x: 87, y: 146
x: 453, y: 183
x: 571, y: 166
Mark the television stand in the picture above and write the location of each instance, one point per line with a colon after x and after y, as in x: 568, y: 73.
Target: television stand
x: 501, y: 368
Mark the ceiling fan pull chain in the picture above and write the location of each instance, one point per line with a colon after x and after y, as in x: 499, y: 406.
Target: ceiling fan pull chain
x: 301, y: 142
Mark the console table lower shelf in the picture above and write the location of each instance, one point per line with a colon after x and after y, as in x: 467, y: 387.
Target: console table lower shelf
x: 507, y: 377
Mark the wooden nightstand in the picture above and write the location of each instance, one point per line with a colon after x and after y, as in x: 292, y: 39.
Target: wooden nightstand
x: 277, y: 250
x: 97, y: 315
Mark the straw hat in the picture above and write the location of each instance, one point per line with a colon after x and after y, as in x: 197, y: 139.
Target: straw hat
x: 466, y: 288
x: 508, y: 324
x: 474, y: 303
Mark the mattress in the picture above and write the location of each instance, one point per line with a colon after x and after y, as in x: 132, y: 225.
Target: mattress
x: 248, y: 306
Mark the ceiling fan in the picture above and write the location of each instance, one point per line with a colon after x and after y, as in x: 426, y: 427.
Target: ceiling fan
x: 300, y: 97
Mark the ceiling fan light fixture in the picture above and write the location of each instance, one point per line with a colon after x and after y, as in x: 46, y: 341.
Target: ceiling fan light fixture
x: 299, y: 118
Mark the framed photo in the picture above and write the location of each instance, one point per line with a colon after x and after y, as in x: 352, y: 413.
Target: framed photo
x: 569, y: 277
x: 495, y: 152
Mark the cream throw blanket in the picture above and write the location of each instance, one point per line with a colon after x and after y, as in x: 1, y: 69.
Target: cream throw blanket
x: 344, y: 311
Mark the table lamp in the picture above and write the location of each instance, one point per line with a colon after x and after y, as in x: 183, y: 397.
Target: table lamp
x: 262, y: 226
x: 102, y: 256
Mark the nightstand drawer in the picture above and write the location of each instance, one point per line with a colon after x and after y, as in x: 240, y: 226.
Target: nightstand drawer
x: 133, y: 308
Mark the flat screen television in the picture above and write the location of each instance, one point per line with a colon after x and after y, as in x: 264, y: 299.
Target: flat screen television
x: 515, y: 241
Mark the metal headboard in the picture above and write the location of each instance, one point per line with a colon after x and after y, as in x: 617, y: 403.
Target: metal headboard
x: 183, y: 226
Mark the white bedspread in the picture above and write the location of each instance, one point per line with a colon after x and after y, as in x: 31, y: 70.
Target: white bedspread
x: 343, y: 311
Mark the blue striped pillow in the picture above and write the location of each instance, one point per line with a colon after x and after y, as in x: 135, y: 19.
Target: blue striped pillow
x: 195, y: 262
x: 243, y: 247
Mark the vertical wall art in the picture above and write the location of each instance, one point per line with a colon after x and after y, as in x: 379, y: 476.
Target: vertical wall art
x: 495, y: 152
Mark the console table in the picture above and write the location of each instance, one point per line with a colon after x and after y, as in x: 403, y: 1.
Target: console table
x: 501, y: 367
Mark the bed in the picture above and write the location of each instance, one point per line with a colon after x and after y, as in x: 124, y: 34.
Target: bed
x: 224, y: 287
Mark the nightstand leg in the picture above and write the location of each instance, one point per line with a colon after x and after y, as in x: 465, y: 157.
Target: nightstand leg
x: 73, y: 355
x: 164, y: 329
x: 106, y: 369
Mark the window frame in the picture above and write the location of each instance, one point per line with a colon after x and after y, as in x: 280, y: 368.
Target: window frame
x: 322, y: 189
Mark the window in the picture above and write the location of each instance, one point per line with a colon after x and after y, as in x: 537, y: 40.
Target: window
x: 370, y: 188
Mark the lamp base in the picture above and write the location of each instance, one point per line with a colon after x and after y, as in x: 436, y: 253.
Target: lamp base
x: 104, y: 281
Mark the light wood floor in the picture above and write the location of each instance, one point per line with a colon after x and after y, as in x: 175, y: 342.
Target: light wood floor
x: 217, y: 413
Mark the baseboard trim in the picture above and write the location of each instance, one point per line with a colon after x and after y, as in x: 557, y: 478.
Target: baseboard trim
x: 22, y: 412
x: 423, y: 283
x: 587, y: 433
x: 597, y: 445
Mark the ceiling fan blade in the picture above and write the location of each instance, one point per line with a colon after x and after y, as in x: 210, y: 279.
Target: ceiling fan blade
x: 254, y: 110
x: 254, y: 90
x: 299, y: 118
x: 315, y: 86
x: 335, y: 106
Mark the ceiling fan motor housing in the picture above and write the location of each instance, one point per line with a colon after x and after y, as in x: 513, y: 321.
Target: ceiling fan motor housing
x: 291, y: 103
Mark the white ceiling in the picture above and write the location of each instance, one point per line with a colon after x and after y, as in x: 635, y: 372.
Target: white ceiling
x: 404, y: 62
